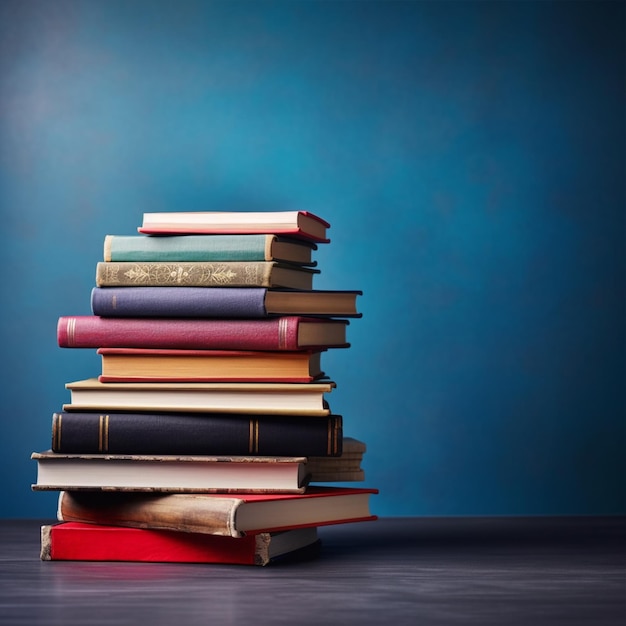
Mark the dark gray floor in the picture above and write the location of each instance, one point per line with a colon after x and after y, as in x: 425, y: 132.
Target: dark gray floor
x: 419, y: 571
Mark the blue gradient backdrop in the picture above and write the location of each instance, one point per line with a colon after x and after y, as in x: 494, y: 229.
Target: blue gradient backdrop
x: 469, y: 156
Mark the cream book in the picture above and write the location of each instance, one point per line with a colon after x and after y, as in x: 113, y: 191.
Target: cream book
x: 170, y: 473
x: 222, y: 397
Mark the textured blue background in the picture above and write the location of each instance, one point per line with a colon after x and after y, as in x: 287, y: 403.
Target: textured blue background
x: 469, y: 156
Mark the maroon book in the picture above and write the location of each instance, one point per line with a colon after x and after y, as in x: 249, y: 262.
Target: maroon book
x: 282, y: 333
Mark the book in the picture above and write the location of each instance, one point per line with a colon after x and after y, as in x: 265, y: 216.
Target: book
x: 294, y: 223
x: 203, y: 274
x: 154, y: 365
x: 219, y: 514
x: 343, y: 468
x: 170, y: 473
x: 208, y: 248
x: 199, y: 434
x: 224, y: 302
x: 75, y: 541
x: 280, y: 333
x: 250, y: 398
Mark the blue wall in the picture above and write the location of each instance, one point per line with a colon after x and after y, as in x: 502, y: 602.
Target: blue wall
x: 469, y: 156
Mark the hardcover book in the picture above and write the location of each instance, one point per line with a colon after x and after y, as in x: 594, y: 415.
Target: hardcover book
x: 203, y: 274
x: 208, y: 248
x: 224, y: 302
x: 154, y: 365
x: 74, y: 541
x: 281, y: 333
x: 218, y: 514
x: 195, y: 434
x: 249, y: 398
x: 170, y: 473
x: 344, y: 468
x: 294, y: 223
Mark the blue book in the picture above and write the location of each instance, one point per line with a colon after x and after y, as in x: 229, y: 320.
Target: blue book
x: 221, y: 302
x: 208, y: 248
x: 128, y: 432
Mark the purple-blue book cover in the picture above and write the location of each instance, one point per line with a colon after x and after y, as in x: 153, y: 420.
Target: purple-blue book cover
x: 228, y: 302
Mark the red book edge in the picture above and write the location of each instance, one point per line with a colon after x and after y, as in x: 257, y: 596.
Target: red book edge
x: 201, y: 352
x: 350, y: 520
x: 315, y: 491
x: 311, y: 492
x: 191, y: 230
x: 206, y: 379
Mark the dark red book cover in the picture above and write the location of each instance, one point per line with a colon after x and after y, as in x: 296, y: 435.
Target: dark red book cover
x: 92, y: 331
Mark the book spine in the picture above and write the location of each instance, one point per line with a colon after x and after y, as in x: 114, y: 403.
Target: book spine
x: 224, y: 302
x: 196, y: 434
x: 189, y: 274
x: 141, y: 248
x: 94, y: 542
x: 92, y: 331
x: 189, y: 514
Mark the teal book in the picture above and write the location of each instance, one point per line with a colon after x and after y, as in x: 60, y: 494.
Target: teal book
x: 176, y: 248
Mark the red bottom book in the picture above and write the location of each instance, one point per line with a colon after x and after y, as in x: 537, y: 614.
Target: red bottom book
x: 72, y: 541
x: 231, y: 515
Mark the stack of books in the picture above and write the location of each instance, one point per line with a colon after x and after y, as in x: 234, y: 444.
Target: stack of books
x: 208, y: 434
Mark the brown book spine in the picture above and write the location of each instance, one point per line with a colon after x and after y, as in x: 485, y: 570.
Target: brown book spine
x: 187, y: 274
x: 214, y: 517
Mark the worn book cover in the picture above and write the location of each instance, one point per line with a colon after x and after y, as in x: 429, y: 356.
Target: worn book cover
x: 219, y: 514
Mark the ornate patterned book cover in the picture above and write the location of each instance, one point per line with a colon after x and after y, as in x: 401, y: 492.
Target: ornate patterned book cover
x: 203, y: 274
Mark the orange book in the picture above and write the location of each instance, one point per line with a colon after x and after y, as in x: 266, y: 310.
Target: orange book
x: 154, y: 365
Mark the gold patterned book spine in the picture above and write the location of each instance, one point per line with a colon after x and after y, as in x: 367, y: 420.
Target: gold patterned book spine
x: 184, y: 274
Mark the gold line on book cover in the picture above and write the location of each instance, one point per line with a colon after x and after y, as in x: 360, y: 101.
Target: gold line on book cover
x: 56, y: 431
x: 282, y: 332
x: 253, y: 442
x: 329, y: 438
x: 103, y: 435
x: 71, y: 331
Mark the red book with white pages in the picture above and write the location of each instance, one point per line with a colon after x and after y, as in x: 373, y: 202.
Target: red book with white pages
x: 70, y: 541
x: 293, y: 223
x: 231, y: 515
